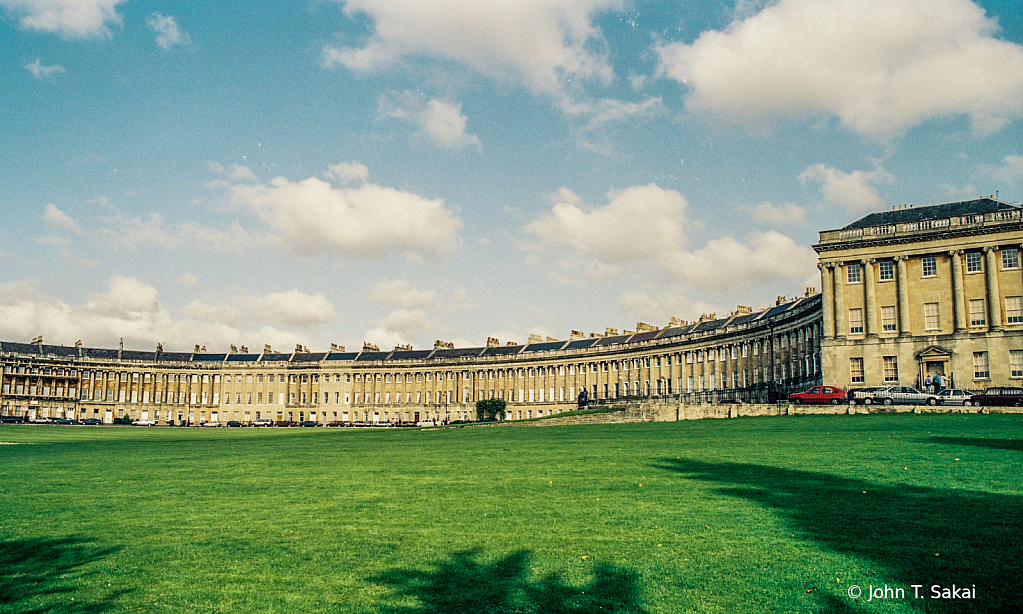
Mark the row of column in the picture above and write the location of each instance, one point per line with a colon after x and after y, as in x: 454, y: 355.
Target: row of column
x: 832, y: 283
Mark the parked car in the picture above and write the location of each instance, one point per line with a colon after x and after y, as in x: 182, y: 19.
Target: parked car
x: 312, y: 423
x: 92, y: 421
x: 904, y: 395
x: 144, y: 423
x: 426, y: 423
x: 263, y: 422
x: 287, y: 423
x: 999, y: 395
x: 360, y: 423
x: 336, y: 423
x: 819, y: 394
x: 211, y: 424
x: 234, y: 424
x: 954, y: 396
x: 864, y: 396
x: 10, y: 420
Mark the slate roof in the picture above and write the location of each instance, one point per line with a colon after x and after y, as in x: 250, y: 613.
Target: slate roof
x: 502, y: 350
x: 208, y: 357
x: 309, y: 356
x: 581, y: 343
x: 20, y: 348
x: 136, y: 355
x: 644, y: 336
x: 457, y: 352
x: 544, y: 347
x: 933, y: 212
x: 175, y: 356
x: 340, y: 356
x: 373, y: 356
x: 242, y: 357
x: 275, y: 358
x: 603, y: 341
x: 410, y: 354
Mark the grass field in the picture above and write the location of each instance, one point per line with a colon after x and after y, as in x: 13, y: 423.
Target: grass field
x: 744, y: 515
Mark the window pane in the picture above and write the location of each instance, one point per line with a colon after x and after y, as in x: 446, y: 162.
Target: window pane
x: 886, y: 270
x: 930, y: 266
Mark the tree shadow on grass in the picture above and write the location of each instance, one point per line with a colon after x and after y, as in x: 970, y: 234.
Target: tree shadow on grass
x: 465, y: 585
x: 34, y: 575
x: 917, y: 535
x: 994, y: 444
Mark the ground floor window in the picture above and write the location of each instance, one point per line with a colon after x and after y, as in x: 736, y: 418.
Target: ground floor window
x: 980, y: 366
x: 891, y: 368
x: 856, y: 370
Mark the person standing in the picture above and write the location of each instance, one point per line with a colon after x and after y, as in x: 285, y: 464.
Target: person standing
x: 927, y: 383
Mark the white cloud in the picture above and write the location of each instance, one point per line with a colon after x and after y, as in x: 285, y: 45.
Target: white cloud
x: 41, y: 72
x: 642, y: 230
x: 400, y: 293
x: 135, y: 233
x: 785, y: 214
x: 642, y: 223
x: 68, y: 18
x: 853, y: 190
x: 441, y: 121
x: 399, y: 326
x: 241, y: 173
x: 167, y: 31
x: 608, y: 110
x: 291, y: 308
x: 880, y: 66
x: 1009, y: 172
x: 541, y: 43
x: 188, y: 280
x: 55, y: 217
x: 734, y: 266
x: 445, y: 124
x: 349, y: 172
x: 128, y: 309
x: 138, y: 232
x: 310, y: 217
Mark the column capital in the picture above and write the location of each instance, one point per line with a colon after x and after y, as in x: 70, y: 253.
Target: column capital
x: 822, y: 266
x: 900, y: 258
x: 990, y: 248
x: 955, y: 252
x: 866, y: 261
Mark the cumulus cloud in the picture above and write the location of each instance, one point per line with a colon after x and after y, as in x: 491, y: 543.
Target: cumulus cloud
x: 853, y: 190
x: 140, y: 232
x: 399, y: 326
x: 167, y: 31
x: 785, y: 214
x: 442, y: 122
x: 41, y: 72
x: 241, y: 173
x: 291, y: 308
x: 349, y: 172
x: 642, y: 230
x: 400, y: 293
x: 880, y: 66
x: 1009, y: 172
x: 75, y: 260
x: 311, y: 218
x: 540, y: 43
x: 68, y: 18
x: 53, y: 216
x: 146, y: 232
x: 128, y: 309
x: 188, y: 280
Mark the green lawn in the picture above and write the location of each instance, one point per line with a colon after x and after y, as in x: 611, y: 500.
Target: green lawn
x: 778, y: 514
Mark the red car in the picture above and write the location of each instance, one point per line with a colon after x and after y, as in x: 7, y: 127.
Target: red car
x: 819, y: 394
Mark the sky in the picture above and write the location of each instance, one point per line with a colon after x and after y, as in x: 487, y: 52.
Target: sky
x: 396, y: 172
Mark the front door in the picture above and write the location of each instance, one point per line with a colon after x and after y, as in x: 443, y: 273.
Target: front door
x: 417, y: 417
x: 934, y: 368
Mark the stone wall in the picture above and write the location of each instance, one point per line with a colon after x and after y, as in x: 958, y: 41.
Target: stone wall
x: 670, y: 412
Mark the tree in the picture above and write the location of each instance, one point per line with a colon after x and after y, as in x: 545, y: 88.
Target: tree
x: 488, y: 409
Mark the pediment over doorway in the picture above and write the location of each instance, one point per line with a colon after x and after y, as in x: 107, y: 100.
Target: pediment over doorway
x: 933, y: 353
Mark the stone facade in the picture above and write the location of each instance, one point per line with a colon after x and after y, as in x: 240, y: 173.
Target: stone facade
x: 919, y: 291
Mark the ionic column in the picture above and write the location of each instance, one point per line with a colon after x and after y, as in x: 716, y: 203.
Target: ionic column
x: 869, y: 300
x: 994, y: 307
x: 840, y: 326
x: 903, y: 291
x: 958, y: 299
x: 828, y: 298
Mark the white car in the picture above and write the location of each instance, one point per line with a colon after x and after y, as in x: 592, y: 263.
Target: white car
x: 426, y: 423
x: 954, y: 396
x: 144, y: 423
x: 213, y: 424
x: 263, y: 422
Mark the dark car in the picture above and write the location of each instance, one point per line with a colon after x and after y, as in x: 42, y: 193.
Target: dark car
x: 10, y: 420
x: 310, y: 423
x: 819, y: 394
x: 336, y: 423
x: 92, y: 421
x: 234, y: 423
x: 287, y: 423
x: 67, y: 421
x: 999, y: 395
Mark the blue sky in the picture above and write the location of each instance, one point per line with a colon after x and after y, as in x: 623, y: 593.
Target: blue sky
x: 399, y: 172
